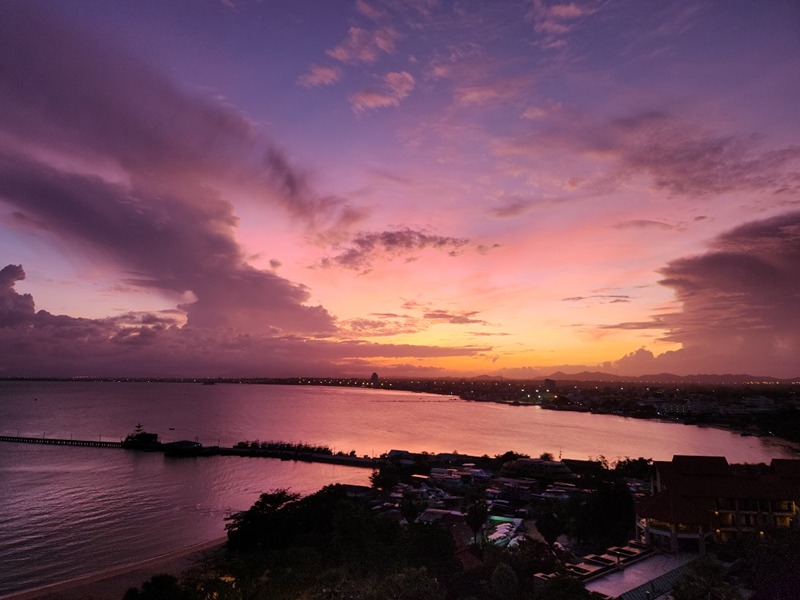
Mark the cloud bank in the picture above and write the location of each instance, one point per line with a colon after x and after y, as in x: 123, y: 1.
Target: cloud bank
x: 739, y: 305
x: 107, y: 155
x: 37, y: 343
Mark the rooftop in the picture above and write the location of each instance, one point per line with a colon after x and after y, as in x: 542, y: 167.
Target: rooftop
x: 617, y: 583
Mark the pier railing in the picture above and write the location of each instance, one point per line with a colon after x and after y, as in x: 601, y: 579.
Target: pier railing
x: 59, y: 442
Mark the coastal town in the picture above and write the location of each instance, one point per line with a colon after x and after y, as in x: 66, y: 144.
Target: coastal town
x: 511, y: 526
x: 515, y: 526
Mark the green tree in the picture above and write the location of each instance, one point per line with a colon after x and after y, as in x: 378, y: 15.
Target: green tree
x: 529, y: 556
x: 385, y: 478
x: 562, y: 587
x: 410, y: 509
x: 549, y: 524
x: 774, y: 566
x: 504, y: 583
x: 477, y: 513
x: 406, y: 584
x: 705, y: 580
x: 260, y: 525
x: 637, y: 468
x: 606, y: 518
x: 409, y: 584
x: 158, y: 587
x: 432, y: 547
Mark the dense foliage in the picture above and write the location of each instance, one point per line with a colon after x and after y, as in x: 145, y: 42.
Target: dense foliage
x: 329, y: 546
x: 706, y: 579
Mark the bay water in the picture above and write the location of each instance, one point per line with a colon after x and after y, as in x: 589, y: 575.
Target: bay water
x: 67, y: 512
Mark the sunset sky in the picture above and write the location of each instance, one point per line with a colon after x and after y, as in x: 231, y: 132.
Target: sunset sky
x: 415, y: 187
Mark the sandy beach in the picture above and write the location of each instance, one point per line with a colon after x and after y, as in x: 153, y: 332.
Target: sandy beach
x: 113, y: 583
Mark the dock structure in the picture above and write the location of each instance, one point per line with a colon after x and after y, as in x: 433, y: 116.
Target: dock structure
x: 178, y: 449
x: 59, y: 442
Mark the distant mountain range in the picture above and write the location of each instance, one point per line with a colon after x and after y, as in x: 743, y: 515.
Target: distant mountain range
x: 705, y: 379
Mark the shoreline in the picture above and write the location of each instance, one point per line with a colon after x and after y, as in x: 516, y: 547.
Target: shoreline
x: 112, y: 583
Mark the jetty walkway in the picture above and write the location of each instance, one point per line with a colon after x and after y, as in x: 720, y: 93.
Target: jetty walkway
x: 179, y: 450
x: 59, y: 442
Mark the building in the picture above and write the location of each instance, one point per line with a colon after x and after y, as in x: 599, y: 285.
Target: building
x: 538, y: 468
x: 698, y: 499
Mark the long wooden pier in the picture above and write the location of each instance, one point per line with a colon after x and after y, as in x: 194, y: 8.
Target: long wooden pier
x: 177, y: 451
x: 59, y: 442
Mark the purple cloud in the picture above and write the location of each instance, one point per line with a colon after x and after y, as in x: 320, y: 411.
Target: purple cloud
x: 365, y: 46
x: 514, y: 207
x: 554, y: 21
x: 396, y: 87
x: 689, y: 161
x: 154, y: 344
x: 318, y: 75
x: 14, y: 308
x: 105, y: 153
x: 366, y: 247
x: 739, y: 303
x: 677, y: 156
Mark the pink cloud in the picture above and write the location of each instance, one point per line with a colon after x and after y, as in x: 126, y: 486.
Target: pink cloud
x: 320, y: 75
x: 364, y: 46
x: 555, y: 20
x: 396, y: 87
x: 370, y: 11
x: 154, y: 344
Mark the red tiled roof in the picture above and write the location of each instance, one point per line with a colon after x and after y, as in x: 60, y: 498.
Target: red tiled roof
x: 758, y: 487
x: 700, y: 465
x: 673, y: 508
x: 712, y: 476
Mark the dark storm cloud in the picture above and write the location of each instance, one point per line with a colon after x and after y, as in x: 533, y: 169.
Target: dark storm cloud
x: 14, y: 308
x: 104, y: 152
x: 740, y: 303
x: 746, y: 285
x: 172, y: 245
x: 365, y: 248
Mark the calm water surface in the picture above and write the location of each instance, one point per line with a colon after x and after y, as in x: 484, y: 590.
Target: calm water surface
x: 67, y: 512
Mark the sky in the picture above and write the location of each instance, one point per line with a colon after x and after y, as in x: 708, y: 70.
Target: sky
x: 419, y: 188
